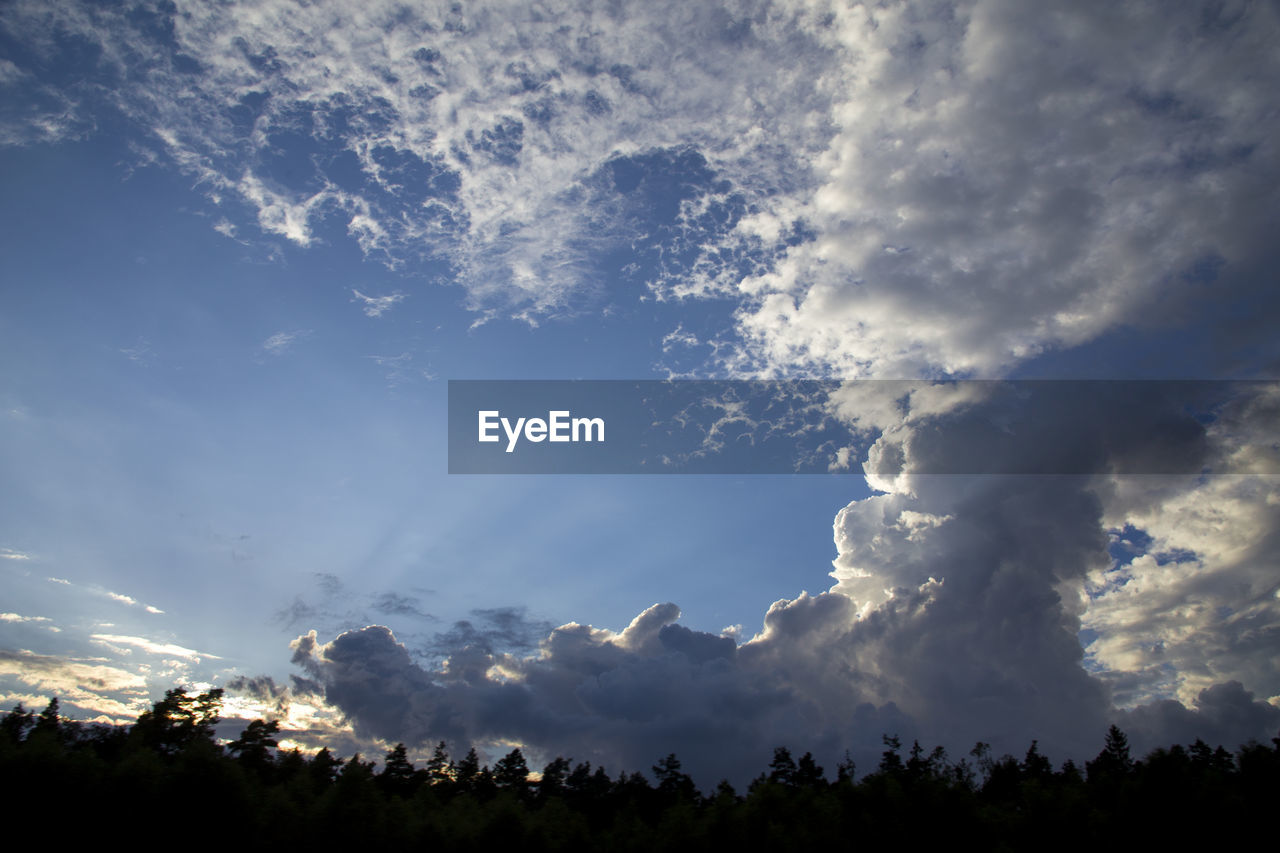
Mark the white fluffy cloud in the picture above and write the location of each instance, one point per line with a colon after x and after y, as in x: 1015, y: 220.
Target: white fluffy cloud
x: 1006, y: 178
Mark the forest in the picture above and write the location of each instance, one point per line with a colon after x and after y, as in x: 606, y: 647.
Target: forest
x: 167, y: 775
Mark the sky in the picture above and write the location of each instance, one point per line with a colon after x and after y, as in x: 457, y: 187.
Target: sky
x: 246, y: 247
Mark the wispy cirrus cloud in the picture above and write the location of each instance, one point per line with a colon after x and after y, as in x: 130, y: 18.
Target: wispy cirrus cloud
x: 281, y: 342
x: 117, y: 641
x: 118, y: 597
x: 129, y: 600
x: 376, y: 306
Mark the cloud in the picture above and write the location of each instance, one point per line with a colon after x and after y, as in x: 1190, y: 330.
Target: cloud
x: 10, y: 73
x: 15, y: 617
x: 10, y: 554
x: 115, y: 596
x: 95, y: 687
x: 399, y: 368
x: 504, y: 629
x: 1001, y: 182
x: 486, y: 140
x: 394, y: 604
x: 1217, y: 715
x: 618, y: 699
x: 278, y: 343
x: 114, y: 641
x: 376, y: 306
x: 827, y: 169
x: 955, y: 616
x: 1199, y: 604
x: 264, y: 689
x: 851, y: 180
x: 140, y: 353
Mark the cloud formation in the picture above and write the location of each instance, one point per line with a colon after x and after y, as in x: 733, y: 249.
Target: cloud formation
x: 94, y: 686
x: 116, y: 641
x: 1013, y: 180
x: 376, y: 306
x: 280, y: 342
x: 955, y: 616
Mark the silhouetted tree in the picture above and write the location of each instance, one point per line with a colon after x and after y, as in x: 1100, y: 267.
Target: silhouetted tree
x: 808, y: 774
x: 553, y: 777
x: 16, y: 724
x: 1114, y: 760
x: 179, y: 720
x: 981, y: 753
x: 846, y: 769
x: 48, y: 723
x: 1036, y: 766
x: 397, y: 771
x: 583, y: 784
x: 253, y: 747
x: 890, y: 760
x: 672, y: 782
x: 782, y: 769
x: 439, y: 768
x: 919, y: 766
x: 467, y: 771
x: 512, y: 771
x: 324, y: 768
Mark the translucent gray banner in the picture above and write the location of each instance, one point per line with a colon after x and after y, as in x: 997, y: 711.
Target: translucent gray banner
x: 900, y: 426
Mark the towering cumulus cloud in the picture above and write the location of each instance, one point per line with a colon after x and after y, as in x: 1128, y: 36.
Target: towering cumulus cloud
x: 956, y: 614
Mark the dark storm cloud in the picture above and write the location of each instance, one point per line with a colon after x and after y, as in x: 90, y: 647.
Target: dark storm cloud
x: 1225, y: 714
x: 497, y: 629
x: 264, y: 689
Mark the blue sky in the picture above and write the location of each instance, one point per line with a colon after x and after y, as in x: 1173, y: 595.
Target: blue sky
x: 245, y: 248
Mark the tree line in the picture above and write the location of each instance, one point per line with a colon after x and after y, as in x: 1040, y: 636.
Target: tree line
x: 168, y: 773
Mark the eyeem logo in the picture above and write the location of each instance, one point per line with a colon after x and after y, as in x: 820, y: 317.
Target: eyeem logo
x: 559, y: 426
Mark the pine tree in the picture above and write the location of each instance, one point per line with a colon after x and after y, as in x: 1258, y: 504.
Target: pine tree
x: 512, y: 771
x: 782, y: 769
x: 553, y: 777
x: 397, y: 771
x: 671, y: 781
x: 439, y: 767
x: 808, y: 773
x: 255, y: 743
x: 468, y: 769
x: 1114, y: 760
x: 178, y: 721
